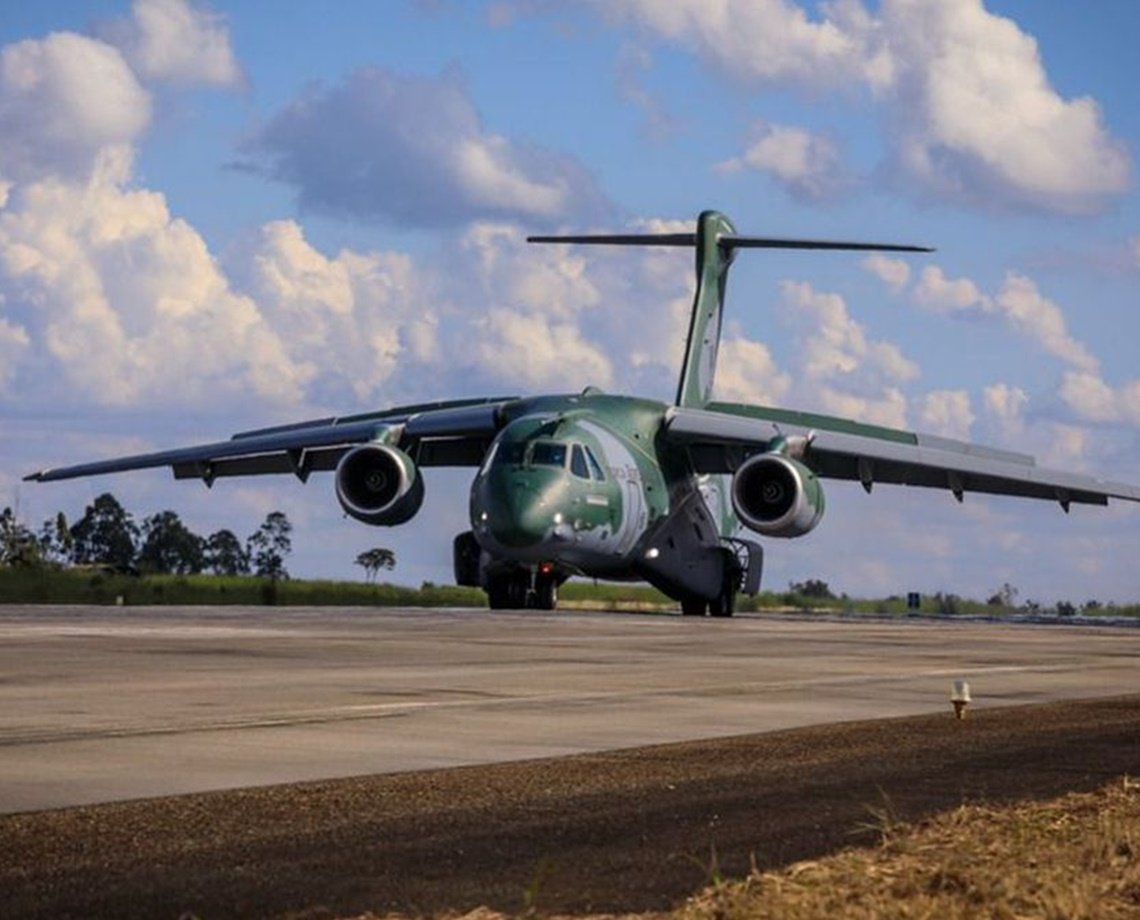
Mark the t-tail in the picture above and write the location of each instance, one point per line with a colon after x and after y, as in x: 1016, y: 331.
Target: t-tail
x: 715, y: 242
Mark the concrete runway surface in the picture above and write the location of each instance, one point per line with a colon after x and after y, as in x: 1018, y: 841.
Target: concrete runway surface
x: 103, y: 704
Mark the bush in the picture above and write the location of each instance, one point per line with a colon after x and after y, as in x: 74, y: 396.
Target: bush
x: 948, y: 604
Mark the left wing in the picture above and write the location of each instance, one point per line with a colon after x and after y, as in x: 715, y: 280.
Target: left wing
x: 455, y: 433
x: 722, y: 435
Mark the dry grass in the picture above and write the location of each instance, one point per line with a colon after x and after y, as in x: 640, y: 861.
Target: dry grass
x: 1072, y: 858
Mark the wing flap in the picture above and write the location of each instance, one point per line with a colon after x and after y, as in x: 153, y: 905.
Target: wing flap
x: 300, y: 463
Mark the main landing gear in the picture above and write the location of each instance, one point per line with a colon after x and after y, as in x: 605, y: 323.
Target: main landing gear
x: 723, y: 605
x: 737, y: 575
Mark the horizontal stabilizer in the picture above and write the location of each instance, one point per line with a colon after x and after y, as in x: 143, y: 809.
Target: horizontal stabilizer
x: 727, y: 241
x: 763, y: 242
x: 622, y: 239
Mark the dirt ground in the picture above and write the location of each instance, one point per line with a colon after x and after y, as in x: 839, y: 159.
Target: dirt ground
x: 628, y: 831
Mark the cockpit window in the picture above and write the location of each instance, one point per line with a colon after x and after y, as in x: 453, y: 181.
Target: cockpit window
x: 578, y: 463
x: 548, y: 453
x: 510, y: 454
x: 595, y: 468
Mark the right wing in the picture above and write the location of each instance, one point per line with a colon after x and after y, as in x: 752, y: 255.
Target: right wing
x: 454, y: 433
x: 722, y: 435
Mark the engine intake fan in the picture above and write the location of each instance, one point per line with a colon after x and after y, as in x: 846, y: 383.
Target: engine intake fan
x: 777, y: 496
x: 379, y: 484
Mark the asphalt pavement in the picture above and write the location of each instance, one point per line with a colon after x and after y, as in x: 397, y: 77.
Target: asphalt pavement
x: 105, y: 704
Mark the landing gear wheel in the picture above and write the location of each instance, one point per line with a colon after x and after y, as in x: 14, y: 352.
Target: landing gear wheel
x: 545, y: 593
x: 508, y: 591
x: 519, y: 590
x: 693, y: 607
x: 498, y: 594
x: 724, y: 605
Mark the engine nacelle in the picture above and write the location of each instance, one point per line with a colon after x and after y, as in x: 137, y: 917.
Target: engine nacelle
x: 777, y: 496
x: 379, y: 484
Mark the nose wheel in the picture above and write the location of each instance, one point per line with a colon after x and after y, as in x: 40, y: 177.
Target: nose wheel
x: 545, y: 596
x: 515, y: 591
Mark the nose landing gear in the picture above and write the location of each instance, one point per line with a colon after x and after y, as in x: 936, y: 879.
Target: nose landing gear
x: 520, y: 590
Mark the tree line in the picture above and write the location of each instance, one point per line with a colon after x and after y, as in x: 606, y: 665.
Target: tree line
x: 107, y: 535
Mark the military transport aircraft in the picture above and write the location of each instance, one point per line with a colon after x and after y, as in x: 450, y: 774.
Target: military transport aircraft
x: 618, y: 487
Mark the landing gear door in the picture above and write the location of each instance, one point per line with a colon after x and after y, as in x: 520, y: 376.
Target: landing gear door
x: 751, y: 556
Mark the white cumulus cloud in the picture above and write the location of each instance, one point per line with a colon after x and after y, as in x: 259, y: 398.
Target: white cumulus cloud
x: 177, y: 41
x: 415, y: 150
x: 123, y: 303
x: 354, y: 317
x: 1006, y: 404
x: 835, y: 346
x: 971, y: 114
x: 14, y: 343
x: 947, y: 413
x: 64, y: 100
x: 747, y: 373
x: 947, y: 295
x: 838, y: 368
x: 977, y: 116
x: 766, y: 41
x: 895, y: 272
x: 627, y: 304
x: 1018, y: 301
x: 538, y: 352
x: 806, y: 165
x: 1038, y: 318
x: 1094, y: 400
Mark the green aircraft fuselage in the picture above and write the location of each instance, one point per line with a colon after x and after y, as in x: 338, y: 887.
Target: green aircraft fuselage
x: 579, y: 483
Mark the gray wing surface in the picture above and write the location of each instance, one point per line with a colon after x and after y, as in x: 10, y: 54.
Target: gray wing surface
x: 721, y: 436
x: 455, y: 433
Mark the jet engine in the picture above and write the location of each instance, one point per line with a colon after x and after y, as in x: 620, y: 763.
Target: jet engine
x: 379, y: 484
x: 777, y: 496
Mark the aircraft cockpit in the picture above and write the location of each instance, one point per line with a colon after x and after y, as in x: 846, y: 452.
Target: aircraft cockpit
x: 576, y: 457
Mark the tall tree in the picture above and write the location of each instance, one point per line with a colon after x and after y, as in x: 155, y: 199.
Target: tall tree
x: 55, y: 539
x: 169, y: 546
x: 373, y: 560
x: 269, y: 546
x: 225, y: 555
x: 18, y: 545
x: 105, y: 535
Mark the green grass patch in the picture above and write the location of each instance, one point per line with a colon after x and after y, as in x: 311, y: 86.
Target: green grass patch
x: 90, y: 585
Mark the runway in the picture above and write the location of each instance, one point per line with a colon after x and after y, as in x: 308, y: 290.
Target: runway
x: 103, y: 704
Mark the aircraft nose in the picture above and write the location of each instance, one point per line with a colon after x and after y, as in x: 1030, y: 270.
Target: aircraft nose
x: 520, y: 517
x: 516, y: 512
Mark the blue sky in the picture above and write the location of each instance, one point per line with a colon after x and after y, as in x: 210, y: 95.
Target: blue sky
x: 219, y: 217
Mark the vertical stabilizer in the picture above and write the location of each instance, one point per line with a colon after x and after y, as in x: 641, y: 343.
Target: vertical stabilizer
x: 716, y: 242
x: 698, y: 370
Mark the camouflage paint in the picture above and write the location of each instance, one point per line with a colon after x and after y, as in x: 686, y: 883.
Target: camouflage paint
x: 698, y: 370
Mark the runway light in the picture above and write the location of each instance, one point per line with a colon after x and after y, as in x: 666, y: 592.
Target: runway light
x: 960, y: 697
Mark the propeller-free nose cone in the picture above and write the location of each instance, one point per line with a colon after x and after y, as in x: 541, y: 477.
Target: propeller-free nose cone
x: 519, y: 518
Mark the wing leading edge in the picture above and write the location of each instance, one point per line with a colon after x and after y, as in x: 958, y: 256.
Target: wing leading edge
x: 437, y: 434
x: 721, y: 436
